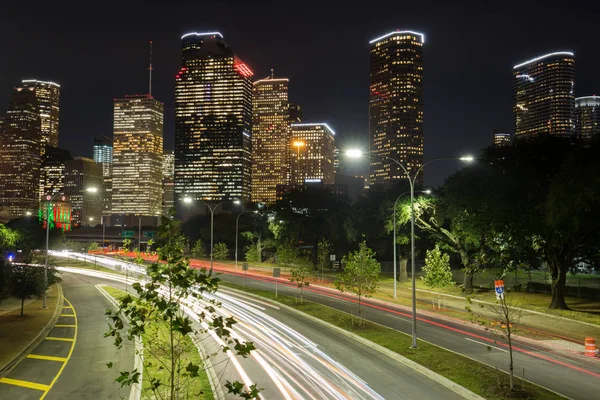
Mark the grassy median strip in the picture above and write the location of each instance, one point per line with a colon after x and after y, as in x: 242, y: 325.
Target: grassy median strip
x: 478, y: 378
x: 196, y: 389
x: 70, y: 262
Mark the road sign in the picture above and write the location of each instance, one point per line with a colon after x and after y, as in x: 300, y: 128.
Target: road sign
x: 149, y: 234
x: 128, y: 234
x: 245, y: 266
x: 332, y: 257
x: 499, y: 286
x: 336, y: 265
x: 276, y: 272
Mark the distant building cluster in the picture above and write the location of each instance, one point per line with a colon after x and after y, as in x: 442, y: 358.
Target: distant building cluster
x: 240, y: 138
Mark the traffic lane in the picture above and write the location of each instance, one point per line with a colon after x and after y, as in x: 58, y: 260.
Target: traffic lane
x: 386, y: 376
x: 86, y: 375
x: 560, y: 378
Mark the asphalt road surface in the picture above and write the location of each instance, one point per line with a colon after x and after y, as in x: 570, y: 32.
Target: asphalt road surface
x: 71, y: 362
x: 297, y: 358
x: 573, y: 376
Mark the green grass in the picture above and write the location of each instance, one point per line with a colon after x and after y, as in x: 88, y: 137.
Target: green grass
x: 479, y: 378
x: 155, y: 338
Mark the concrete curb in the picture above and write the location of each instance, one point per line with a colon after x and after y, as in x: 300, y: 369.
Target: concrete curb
x: 217, y: 391
x: 138, y: 357
x: 461, y: 391
x: 39, y: 337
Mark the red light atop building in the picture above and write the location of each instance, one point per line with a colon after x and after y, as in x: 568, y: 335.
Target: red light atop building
x: 242, y: 68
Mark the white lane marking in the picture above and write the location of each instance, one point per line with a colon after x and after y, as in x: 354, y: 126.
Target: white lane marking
x: 486, y: 345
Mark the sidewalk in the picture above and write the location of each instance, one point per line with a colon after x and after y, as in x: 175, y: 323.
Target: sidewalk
x: 17, y: 334
x: 9, y: 305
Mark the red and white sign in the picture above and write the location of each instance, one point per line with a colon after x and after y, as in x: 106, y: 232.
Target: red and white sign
x: 499, y: 286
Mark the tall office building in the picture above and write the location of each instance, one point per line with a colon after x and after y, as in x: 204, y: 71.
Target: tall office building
x: 587, y: 117
x: 48, y: 96
x: 137, y: 156
x: 544, y: 96
x: 103, y: 155
x: 20, y: 156
x: 168, y: 184
x: 52, y: 171
x: 81, y: 174
x: 502, y: 139
x: 213, y: 121
x: 396, y: 105
x: 270, y: 138
x: 312, y: 150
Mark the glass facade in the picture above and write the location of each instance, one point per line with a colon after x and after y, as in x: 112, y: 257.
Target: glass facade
x: 52, y: 171
x: 213, y: 121
x: 47, y: 95
x: 270, y: 138
x: 311, y: 150
x: 20, y: 160
x: 544, y: 96
x: 502, y: 139
x: 168, y: 185
x: 81, y: 174
x: 396, y: 105
x: 103, y: 155
x: 137, y: 156
x: 587, y: 117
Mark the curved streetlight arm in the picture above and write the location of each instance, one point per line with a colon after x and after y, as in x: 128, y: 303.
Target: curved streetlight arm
x: 212, y: 225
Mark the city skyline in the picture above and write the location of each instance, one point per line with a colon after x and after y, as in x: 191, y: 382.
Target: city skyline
x: 484, y: 71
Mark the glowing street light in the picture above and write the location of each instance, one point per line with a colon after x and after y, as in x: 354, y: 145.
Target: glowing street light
x: 357, y: 153
x: 92, y: 190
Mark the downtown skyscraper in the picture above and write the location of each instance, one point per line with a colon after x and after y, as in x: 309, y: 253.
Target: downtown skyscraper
x: 270, y: 138
x: 311, y: 152
x: 47, y: 95
x: 20, y: 143
x: 103, y: 155
x: 544, y: 96
x: 137, y: 156
x: 213, y: 121
x: 587, y: 116
x: 396, y: 105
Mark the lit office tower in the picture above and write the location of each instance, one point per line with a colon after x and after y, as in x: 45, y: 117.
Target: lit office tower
x: 137, y: 156
x: 47, y: 95
x: 502, y: 139
x: 312, y: 148
x: 168, y: 185
x: 213, y: 121
x: 52, y: 170
x: 587, y: 112
x: 270, y: 138
x: 82, y: 174
x: 20, y: 156
x: 103, y: 155
x: 396, y: 105
x: 543, y: 96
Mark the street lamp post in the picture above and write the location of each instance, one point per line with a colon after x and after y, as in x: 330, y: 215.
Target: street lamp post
x: 188, y: 200
x: 395, y: 245
x: 237, y: 224
x: 139, y: 233
x: 355, y: 153
x: 50, y: 199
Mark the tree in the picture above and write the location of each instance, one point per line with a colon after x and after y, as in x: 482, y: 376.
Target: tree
x: 301, y: 274
x: 437, y: 269
x: 220, y: 251
x: 158, y: 303
x: 256, y: 247
x: 93, y: 246
x: 287, y: 253
x: 27, y: 282
x: 509, y: 316
x: 198, y: 249
x: 8, y: 237
x: 323, y: 254
x: 360, y: 275
x: 4, y: 279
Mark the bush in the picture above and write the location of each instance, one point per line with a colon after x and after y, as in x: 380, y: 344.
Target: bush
x: 437, y: 269
x: 220, y: 251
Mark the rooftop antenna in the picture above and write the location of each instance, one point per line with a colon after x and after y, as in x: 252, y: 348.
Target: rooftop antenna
x: 272, y: 73
x: 150, y: 70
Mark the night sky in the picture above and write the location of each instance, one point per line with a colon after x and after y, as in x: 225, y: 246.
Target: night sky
x: 100, y: 53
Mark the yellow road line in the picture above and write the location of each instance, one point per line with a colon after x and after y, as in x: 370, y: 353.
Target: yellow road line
x: 63, y: 339
x: 67, y: 315
x: 26, y: 384
x: 67, y: 307
x: 65, y: 326
x: 47, y: 358
x: 68, y: 356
